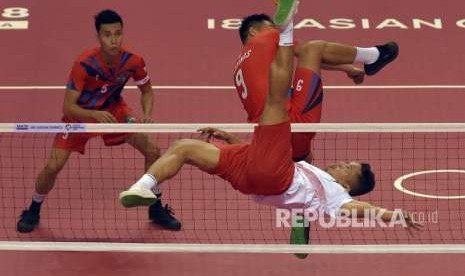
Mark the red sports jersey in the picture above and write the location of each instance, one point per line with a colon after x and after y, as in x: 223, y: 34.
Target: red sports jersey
x: 100, y: 85
x: 251, y: 78
x: 252, y: 70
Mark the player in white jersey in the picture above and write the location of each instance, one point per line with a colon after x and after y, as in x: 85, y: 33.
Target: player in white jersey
x: 329, y: 191
x: 318, y: 192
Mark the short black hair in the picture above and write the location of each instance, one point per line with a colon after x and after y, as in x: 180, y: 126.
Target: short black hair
x: 366, y: 182
x: 249, y: 22
x: 107, y: 17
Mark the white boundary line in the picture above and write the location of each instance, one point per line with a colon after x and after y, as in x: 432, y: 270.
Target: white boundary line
x: 398, y: 184
x: 220, y: 87
x: 233, y: 248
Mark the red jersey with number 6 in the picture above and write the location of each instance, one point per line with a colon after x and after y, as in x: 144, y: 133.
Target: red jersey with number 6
x: 252, y: 69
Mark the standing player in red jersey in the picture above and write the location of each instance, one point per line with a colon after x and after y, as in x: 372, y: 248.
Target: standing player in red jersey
x: 261, y: 38
x: 94, y: 96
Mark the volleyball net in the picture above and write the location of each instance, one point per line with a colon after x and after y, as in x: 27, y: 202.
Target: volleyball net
x: 418, y: 167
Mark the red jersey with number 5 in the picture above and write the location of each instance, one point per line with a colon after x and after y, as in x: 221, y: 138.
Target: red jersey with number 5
x: 100, y: 85
x: 252, y: 69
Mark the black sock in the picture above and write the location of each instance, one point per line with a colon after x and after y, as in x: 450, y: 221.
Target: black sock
x: 35, y: 206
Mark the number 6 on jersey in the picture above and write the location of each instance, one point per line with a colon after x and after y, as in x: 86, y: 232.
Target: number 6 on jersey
x: 240, y: 84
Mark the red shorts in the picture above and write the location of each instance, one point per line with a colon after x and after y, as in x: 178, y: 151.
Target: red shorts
x: 77, y: 141
x: 264, y: 167
x: 305, y: 107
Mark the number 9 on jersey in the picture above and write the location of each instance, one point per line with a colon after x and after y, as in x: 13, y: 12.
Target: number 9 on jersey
x: 240, y: 84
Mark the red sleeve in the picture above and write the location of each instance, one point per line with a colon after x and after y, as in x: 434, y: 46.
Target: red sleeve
x: 141, y: 76
x: 77, y: 78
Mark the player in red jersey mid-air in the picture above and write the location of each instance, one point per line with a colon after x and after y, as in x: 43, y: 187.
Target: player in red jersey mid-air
x: 261, y: 39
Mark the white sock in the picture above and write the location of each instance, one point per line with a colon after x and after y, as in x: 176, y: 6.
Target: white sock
x: 367, y: 55
x: 39, y: 198
x: 286, y: 37
x: 147, y: 181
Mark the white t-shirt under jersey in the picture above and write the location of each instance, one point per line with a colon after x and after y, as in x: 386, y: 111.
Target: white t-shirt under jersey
x: 312, y: 189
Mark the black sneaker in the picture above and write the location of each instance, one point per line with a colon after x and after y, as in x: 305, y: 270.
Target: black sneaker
x: 163, y: 216
x: 28, y: 221
x: 387, y: 54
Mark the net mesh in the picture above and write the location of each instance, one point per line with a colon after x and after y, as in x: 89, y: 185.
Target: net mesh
x: 83, y: 206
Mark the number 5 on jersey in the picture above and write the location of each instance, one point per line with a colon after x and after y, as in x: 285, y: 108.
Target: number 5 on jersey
x: 240, y: 84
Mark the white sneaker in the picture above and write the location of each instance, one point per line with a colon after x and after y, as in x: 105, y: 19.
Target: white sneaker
x: 137, y: 197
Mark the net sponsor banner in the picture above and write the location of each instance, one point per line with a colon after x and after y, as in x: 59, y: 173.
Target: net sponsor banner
x: 49, y: 128
x: 237, y: 128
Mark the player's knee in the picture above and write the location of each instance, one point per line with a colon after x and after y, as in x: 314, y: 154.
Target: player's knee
x: 313, y: 47
x: 189, y: 150
x: 182, y: 147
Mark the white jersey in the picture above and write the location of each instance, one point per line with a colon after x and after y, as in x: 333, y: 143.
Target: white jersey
x: 312, y: 189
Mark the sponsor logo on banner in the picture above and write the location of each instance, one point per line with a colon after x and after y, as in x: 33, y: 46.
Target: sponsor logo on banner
x: 22, y: 127
x: 75, y: 128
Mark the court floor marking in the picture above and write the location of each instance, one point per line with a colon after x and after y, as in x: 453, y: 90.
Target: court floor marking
x: 399, y: 181
x: 233, y: 248
x: 221, y: 87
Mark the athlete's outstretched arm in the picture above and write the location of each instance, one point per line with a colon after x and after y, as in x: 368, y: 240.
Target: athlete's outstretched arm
x: 360, y: 209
